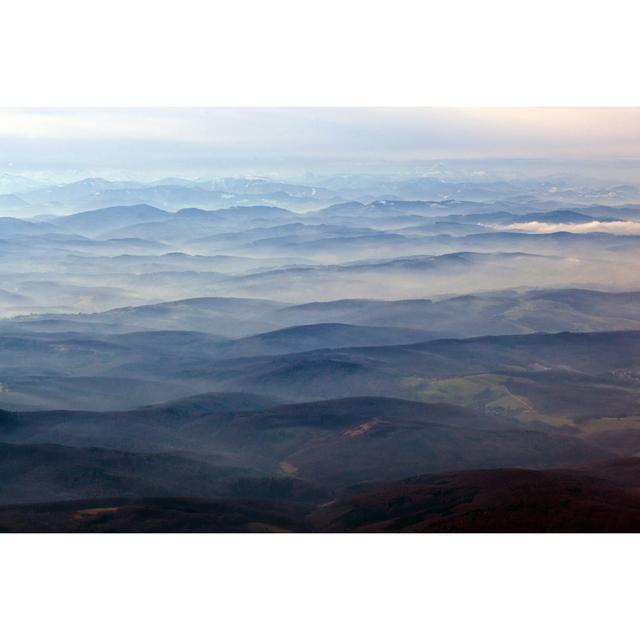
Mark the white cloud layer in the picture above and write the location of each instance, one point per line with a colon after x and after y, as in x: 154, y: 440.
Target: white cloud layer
x: 622, y: 227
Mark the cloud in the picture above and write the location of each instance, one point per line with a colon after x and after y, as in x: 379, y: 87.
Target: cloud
x: 622, y: 227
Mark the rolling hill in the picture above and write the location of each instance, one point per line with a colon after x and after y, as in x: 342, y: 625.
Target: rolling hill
x: 599, y: 498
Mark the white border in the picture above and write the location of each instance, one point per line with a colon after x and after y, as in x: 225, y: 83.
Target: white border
x: 312, y: 53
x: 319, y: 587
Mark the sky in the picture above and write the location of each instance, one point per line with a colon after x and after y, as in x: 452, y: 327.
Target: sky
x: 282, y: 141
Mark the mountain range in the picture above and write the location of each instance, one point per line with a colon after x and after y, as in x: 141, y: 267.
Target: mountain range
x: 371, y: 353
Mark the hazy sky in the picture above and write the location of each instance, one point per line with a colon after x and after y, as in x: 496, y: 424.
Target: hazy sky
x: 287, y: 140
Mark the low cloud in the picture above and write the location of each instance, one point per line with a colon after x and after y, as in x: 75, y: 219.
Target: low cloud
x: 621, y: 227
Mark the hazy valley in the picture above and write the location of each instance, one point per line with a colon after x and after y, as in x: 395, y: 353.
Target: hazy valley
x: 352, y: 353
